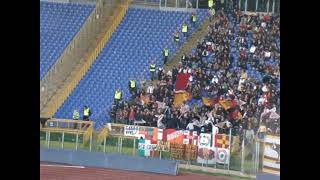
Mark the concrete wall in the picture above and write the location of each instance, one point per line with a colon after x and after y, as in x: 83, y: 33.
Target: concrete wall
x: 60, y: 1
x: 111, y: 161
x: 266, y: 176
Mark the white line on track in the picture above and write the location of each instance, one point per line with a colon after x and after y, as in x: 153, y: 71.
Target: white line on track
x: 62, y: 166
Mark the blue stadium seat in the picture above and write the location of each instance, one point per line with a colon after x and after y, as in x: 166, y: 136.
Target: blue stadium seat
x: 56, y: 36
x: 140, y: 37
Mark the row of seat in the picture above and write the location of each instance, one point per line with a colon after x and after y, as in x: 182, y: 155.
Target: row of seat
x: 128, y: 54
x: 59, y: 23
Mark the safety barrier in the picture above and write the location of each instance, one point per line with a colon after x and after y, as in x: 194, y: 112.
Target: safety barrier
x: 112, y: 161
x: 65, y: 126
x: 243, y: 154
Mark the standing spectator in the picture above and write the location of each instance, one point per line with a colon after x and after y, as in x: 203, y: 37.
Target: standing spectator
x: 262, y: 131
x: 160, y: 73
x: 86, y: 114
x: 132, y: 86
x: 172, y: 121
x: 150, y: 89
x: 185, y: 29
x: 176, y: 38
x: 193, y: 19
x: 152, y: 70
x: 75, y: 116
x: 113, y: 114
x: 212, y: 13
x: 165, y: 55
x: 117, y: 96
x: 249, y: 133
x: 132, y: 116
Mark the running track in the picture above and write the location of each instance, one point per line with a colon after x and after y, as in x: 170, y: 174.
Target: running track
x: 60, y: 172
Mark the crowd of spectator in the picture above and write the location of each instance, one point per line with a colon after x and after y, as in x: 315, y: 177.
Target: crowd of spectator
x: 238, y: 60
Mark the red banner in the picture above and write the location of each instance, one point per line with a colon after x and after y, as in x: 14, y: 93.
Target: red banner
x: 182, y: 81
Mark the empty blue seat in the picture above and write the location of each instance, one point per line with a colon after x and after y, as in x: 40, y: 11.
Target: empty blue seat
x: 57, y: 36
x: 140, y: 37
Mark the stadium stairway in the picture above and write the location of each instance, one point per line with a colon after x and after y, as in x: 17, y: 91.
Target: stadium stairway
x: 190, y: 44
x: 51, y: 100
x: 140, y: 38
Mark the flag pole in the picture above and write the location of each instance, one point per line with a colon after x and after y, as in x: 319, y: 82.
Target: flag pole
x: 230, y: 143
x: 242, y: 154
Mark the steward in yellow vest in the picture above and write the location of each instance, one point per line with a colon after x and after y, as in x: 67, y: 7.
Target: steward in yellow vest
x: 152, y: 70
x: 185, y: 29
x: 210, y: 3
x: 193, y: 19
x: 86, y: 113
x: 165, y: 54
x: 117, y: 96
x: 176, y: 37
x: 132, y: 86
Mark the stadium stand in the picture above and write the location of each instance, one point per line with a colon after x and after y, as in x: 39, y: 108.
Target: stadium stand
x: 235, y: 78
x: 59, y: 23
x: 140, y: 37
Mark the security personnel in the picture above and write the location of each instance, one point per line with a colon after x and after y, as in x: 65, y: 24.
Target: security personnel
x: 210, y: 3
x: 212, y: 12
x: 117, y: 96
x: 152, y: 70
x: 185, y: 29
x: 86, y: 113
x: 176, y: 37
x: 165, y: 55
x: 193, y: 19
x: 75, y: 116
x: 132, y: 86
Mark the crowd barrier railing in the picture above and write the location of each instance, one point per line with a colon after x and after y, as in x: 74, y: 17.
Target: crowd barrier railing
x: 243, y: 153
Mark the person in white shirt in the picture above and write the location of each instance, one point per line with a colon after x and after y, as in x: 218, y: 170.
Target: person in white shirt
x: 159, y: 121
x: 190, y: 126
x: 150, y: 89
x: 205, y: 53
x: 203, y: 119
x: 242, y: 80
x: 185, y: 71
x: 267, y: 54
x: 265, y: 88
x: 215, y: 130
x: 215, y: 79
x: 261, y: 101
x: 189, y: 70
x: 252, y: 49
x: 230, y: 92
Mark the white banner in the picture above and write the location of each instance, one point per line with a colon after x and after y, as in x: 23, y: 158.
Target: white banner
x: 147, y: 147
x: 223, y: 155
x: 160, y: 134
x: 206, y: 155
x: 131, y: 131
x: 204, y: 140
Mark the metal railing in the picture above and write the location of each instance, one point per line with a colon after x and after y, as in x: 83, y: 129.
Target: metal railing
x: 246, y: 151
x: 181, y: 4
x: 80, y: 54
x: 65, y: 126
x: 261, y: 7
